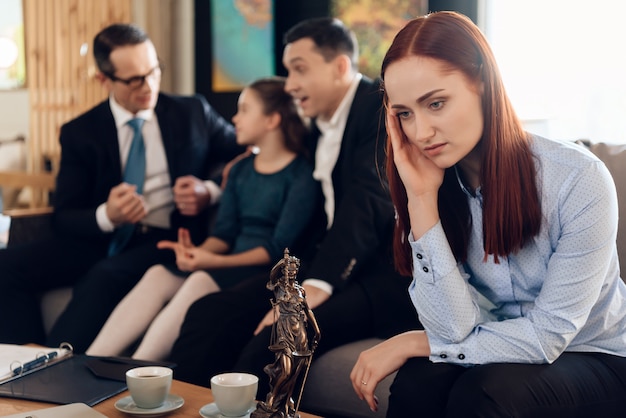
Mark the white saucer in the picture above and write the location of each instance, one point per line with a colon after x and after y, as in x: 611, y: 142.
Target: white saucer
x: 210, y: 411
x: 127, y: 405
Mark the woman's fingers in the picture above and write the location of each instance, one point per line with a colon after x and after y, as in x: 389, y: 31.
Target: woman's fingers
x: 364, y: 383
x: 393, y: 131
x: 167, y: 245
x: 184, y: 237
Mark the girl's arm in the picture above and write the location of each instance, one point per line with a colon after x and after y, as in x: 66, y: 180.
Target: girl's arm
x: 215, y: 245
x: 209, y: 260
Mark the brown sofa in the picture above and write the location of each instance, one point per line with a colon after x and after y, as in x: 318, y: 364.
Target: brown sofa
x: 328, y: 389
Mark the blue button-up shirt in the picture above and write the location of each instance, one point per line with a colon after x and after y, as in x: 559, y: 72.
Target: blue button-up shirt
x: 561, y: 292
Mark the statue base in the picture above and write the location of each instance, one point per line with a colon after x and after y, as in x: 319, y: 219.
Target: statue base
x: 262, y: 411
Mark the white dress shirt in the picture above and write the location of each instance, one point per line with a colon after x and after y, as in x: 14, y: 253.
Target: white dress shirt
x: 157, y: 190
x: 326, y: 155
x: 329, y: 145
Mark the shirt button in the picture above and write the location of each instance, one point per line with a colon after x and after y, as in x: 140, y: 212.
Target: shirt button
x: 461, y: 356
x: 425, y: 269
x: 419, y: 256
x: 443, y: 355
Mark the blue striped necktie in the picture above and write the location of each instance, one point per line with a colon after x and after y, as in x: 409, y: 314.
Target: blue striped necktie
x: 134, y: 173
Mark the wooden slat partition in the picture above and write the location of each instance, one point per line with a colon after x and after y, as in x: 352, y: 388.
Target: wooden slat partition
x: 60, y: 68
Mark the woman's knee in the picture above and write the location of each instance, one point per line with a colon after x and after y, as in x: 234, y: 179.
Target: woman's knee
x: 421, y: 388
x: 200, y: 282
x: 502, y: 390
x: 478, y: 394
x: 156, y: 274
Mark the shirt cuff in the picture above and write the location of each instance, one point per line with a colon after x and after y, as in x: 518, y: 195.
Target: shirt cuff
x: 431, y: 255
x: 320, y: 284
x: 103, y: 220
x: 214, y: 190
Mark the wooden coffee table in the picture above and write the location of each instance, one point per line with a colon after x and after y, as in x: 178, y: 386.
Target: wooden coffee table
x: 195, y: 398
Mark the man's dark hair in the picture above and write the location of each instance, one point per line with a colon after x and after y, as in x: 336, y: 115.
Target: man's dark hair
x: 330, y: 35
x: 112, y: 37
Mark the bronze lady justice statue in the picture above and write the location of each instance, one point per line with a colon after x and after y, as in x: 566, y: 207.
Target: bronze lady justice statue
x: 290, y: 342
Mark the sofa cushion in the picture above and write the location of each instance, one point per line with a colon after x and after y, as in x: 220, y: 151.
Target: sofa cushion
x: 53, y: 303
x: 328, y: 391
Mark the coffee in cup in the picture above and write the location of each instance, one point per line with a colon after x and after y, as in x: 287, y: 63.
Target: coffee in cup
x: 149, y: 385
x: 234, y: 393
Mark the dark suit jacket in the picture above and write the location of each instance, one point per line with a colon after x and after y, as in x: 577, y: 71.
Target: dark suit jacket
x: 359, y: 240
x: 357, y: 249
x: 195, y: 137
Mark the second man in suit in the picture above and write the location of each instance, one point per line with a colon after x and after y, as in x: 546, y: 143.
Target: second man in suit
x: 349, y: 278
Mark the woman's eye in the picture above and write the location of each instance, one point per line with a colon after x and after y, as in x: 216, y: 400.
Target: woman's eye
x: 436, y: 105
x: 402, y: 115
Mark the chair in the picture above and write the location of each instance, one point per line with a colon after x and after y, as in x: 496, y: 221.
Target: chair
x: 41, y: 185
x: 39, y: 180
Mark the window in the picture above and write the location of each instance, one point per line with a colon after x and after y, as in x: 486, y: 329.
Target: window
x: 12, y: 62
x: 563, y: 64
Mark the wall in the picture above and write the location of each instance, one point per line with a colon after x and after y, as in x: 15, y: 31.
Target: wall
x: 14, y: 111
x: 286, y: 14
x: 171, y: 25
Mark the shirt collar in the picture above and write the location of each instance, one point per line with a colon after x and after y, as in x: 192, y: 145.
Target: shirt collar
x: 122, y: 116
x: 344, y: 107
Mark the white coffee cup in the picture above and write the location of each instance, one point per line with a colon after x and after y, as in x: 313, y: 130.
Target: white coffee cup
x: 234, y: 393
x: 149, y: 386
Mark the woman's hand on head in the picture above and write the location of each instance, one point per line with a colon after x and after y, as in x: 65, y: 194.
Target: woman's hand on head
x: 378, y: 362
x: 418, y: 173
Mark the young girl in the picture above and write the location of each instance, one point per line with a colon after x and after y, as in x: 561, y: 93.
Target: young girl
x: 510, y: 239
x: 267, y: 202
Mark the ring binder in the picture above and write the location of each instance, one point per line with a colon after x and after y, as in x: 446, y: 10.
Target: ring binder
x: 63, y: 382
x: 42, y: 359
x: 19, y: 360
x: 68, y: 377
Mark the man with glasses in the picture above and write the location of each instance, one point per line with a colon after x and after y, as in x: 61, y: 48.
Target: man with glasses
x: 133, y: 170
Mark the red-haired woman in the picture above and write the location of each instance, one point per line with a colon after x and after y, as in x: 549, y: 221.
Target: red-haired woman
x: 510, y: 239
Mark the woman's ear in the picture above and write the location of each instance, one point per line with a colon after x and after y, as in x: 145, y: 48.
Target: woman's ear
x: 273, y: 120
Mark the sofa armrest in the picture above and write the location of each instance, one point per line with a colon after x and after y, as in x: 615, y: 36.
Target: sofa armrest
x: 30, y: 224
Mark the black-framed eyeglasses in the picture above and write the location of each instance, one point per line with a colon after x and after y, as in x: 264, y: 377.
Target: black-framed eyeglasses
x: 137, y: 81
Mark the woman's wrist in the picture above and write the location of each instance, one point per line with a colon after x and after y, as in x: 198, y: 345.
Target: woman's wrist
x: 423, y: 214
x: 412, y: 344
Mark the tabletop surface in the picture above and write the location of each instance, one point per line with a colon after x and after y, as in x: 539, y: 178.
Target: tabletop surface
x: 195, y: 398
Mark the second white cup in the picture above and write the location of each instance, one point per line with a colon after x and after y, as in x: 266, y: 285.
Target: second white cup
x: 149, y: 386
x: 234, y: 393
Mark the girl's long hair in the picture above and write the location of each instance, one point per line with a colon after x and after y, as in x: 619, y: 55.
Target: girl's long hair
x: 511, y: 206
x: 272, y: 92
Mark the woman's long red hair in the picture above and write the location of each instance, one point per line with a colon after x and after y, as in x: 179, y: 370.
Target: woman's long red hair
x: 511, y: 206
